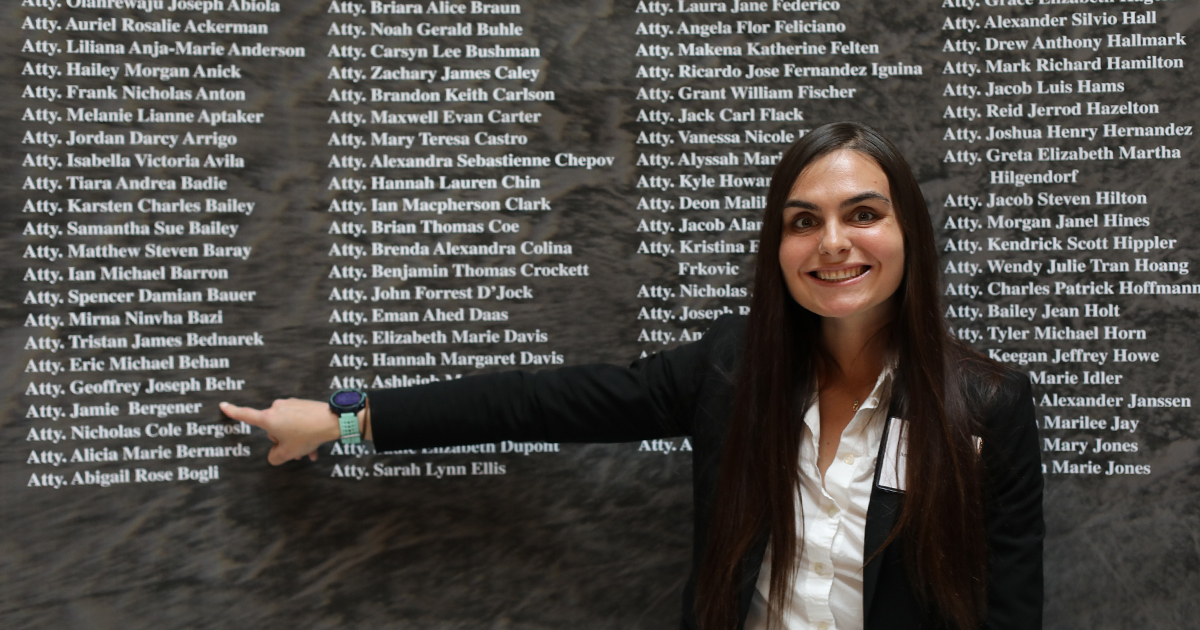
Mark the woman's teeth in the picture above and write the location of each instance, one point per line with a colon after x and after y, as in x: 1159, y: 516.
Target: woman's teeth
x: 843, y: 274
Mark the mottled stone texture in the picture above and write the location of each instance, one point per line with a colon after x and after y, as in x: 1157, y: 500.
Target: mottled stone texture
x: 597, y: 536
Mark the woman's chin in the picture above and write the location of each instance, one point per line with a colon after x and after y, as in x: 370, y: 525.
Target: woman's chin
x: 839, y: 313
x: 841, y: 309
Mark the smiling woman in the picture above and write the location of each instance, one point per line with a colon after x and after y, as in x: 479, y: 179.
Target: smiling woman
x: 854, y: 465
x: 846, y: 332
x: 842, y: 252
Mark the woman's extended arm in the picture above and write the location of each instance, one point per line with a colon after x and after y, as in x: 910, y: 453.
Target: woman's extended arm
x: 590, y: 403
x: 652, y: 398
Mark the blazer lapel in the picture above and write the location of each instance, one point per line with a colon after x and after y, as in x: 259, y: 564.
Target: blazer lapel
x: 882, y: 511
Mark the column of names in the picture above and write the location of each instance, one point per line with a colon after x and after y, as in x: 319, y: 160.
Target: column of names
x: 131, y: 215
x: 1054, y: 258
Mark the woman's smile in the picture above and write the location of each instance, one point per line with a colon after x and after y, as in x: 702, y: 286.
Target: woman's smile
x: 840, y: 276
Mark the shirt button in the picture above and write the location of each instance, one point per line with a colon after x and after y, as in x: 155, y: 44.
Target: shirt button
x: 832, y: 511
x: 819, y: 568
x: 824, y: 625
x: 849, y: 458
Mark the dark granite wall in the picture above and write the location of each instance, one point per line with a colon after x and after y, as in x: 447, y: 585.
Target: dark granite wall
x: 593, y: 536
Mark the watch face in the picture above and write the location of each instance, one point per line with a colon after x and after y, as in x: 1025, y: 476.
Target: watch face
x: 347, y: 398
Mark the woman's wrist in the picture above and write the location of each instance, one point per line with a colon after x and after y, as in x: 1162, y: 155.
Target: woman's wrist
x: 364, y: 421
x: 333, y: 430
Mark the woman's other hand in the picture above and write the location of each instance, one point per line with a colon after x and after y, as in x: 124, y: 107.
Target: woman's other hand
x: 297, y: 427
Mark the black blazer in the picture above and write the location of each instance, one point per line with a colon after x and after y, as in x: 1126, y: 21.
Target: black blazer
x: 688, y: 391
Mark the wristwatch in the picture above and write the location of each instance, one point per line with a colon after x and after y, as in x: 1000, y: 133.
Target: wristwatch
x: 346, y: 403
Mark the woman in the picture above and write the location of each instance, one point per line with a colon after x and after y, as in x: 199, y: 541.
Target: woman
x: 855, y: 466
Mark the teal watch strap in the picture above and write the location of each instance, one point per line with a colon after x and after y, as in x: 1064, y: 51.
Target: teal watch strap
x: 348, y: 422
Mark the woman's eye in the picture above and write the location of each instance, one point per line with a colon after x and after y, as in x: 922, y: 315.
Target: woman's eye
x: 804, y: 222
x: 864, y: 215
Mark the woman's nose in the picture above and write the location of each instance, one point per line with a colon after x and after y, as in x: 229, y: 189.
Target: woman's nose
x: 834, y: 239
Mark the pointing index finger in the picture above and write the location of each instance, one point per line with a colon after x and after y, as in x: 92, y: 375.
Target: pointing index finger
x: 249, y: 415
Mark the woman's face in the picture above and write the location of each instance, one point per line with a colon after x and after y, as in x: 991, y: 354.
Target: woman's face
x: 842, y: 251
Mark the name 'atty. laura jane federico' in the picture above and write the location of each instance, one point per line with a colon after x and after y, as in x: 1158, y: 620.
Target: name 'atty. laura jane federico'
x: 855, y: 466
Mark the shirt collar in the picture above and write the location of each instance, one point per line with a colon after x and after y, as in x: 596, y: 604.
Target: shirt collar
x: 866, y: 418
x: 883, y: 386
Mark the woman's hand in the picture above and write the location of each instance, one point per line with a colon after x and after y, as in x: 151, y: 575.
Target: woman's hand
x: 297, y: 427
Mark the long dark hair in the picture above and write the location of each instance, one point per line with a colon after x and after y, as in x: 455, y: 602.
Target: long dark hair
x: 757, y: 486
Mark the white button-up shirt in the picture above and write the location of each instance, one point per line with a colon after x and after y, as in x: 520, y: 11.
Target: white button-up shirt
x: 828, y: 591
